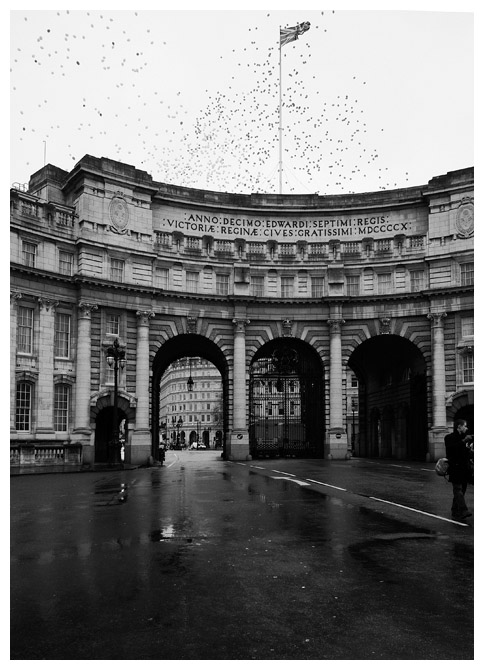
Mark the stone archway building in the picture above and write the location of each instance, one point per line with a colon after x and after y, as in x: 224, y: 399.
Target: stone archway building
x: 104, y: 251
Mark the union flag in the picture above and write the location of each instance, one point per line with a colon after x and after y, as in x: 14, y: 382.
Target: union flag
x: 290, y: 34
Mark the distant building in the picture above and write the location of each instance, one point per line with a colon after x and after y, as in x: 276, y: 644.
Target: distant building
x: 338, y: 325
x: 200, y: 410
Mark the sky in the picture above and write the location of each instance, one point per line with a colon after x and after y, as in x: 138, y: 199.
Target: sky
x: 371, y: 99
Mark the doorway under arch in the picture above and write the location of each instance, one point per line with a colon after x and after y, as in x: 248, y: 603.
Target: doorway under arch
x: 286, y: 400
x: 186, y: 346
x: 392, y: 390
x: 103, y: 447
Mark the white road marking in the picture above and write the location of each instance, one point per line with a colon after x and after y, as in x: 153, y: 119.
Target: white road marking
x: 339, y: 488
x: 323, y: 484
x: 296, y: 481
x: 419, y: 511
x: 173, y: 462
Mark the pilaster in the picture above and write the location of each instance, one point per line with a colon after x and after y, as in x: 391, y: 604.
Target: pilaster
x: 336, y: 444
x: 45, y: 385
x: 83, y: 379
x: 15, y: 297
x: 142, y: 438
x: 439, y: 421
x: 238, y: 442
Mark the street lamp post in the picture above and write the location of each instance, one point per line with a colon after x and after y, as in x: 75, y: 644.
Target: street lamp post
x: 190, y: 382
x: 178, y: 426
x: 354, y: 407
x: 116, y: 359
x: 173, y: 425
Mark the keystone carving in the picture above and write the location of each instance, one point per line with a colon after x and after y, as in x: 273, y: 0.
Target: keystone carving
x: 286, y: 328
x: 191, y: 324
x: 385, y: 325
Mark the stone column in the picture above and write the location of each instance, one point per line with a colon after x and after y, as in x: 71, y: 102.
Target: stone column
x: 439, y: 418
x: 45, y: 386
x: 237, y: 447
x: 141, y: 438
x: 15, y: 296
x: 82, y: 430
x: 336, y: 443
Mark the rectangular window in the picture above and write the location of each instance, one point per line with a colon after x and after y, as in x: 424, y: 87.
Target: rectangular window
x: 354, y: 382
x: 66, y: 263
x: 257, y: 285
x: 25, y: 330
x: 467, y: 326
x: 353, y: 285
x: 112, y: 324
x: 23, y: 407
x: 317, y: 287
x: 467, y: 274
x: 29, y: 252
x: 385, y: 282
x: 117, y: 270
x: 192, y: 282
x: 62, y: 335
x: 222, y: 284
x: 417, y: 280
x: 162, y: 278
x: 61, y: 407
x: 287, y: 287
x: 468, y: 367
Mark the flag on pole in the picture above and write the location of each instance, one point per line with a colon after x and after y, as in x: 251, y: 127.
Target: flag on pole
x: 291, y: 34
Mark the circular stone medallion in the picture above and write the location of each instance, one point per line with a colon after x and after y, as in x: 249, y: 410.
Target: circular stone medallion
x: 464, y: 221
x: 118, y: 211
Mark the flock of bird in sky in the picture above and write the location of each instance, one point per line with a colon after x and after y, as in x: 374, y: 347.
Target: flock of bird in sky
x: 229, y: 143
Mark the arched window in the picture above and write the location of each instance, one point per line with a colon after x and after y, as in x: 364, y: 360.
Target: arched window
x: 61, y: 407
x: 23, y: 407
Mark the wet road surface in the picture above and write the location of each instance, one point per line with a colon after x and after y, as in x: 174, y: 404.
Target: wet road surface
x: 275, y: 559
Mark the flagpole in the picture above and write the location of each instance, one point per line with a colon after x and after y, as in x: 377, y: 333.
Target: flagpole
x: 280, y: 112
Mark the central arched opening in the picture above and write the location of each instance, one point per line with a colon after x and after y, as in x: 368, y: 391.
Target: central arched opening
x: 392, y: 398
x: 188, y: 415
x: 286, y: 401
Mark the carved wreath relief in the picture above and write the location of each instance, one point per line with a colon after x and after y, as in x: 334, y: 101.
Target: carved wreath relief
x: 119, y: 214
x: 464, y: 221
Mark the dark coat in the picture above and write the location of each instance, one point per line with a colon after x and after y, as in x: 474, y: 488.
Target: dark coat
x: 460, y: 457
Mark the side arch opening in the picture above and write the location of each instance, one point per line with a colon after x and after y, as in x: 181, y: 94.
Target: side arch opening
x: 392, y: 398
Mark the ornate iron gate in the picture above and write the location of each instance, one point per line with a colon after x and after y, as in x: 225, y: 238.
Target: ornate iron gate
x: 286, y: 404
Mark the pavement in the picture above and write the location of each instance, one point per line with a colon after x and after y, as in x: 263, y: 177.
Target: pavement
x: 205, y: 559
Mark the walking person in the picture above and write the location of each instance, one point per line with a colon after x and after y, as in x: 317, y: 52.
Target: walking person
x: 460, y: 454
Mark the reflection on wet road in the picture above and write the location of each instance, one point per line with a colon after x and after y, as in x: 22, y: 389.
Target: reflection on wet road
x: 203, y: 559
